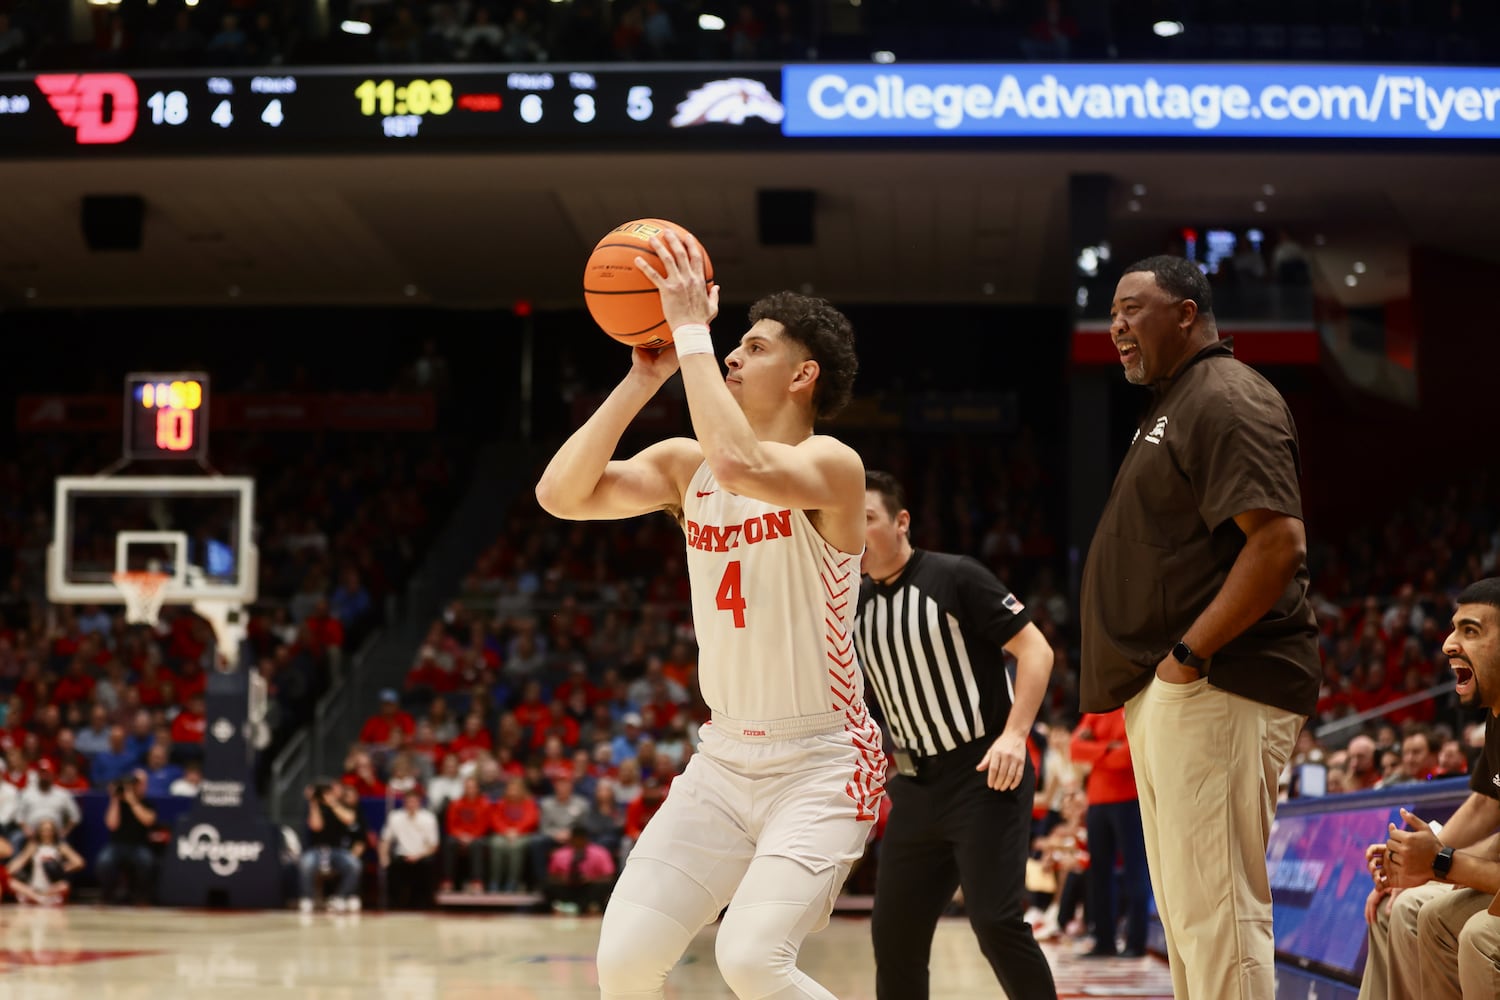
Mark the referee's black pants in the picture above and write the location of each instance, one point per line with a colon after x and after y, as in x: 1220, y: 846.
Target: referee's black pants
x: 948, y: 829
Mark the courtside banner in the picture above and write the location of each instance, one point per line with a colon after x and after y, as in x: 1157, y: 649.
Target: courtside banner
x: 1173, y: 100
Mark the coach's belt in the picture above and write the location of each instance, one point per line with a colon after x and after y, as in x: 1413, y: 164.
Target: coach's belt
x: 779, y: 729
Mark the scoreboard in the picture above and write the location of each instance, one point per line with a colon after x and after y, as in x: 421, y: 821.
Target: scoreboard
x: 387, y: 107
x: 166, y: 415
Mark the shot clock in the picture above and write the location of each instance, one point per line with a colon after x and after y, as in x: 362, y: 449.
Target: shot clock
x: 166, y: 415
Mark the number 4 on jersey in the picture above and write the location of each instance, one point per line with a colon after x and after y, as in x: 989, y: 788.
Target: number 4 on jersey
x: 731, y: 595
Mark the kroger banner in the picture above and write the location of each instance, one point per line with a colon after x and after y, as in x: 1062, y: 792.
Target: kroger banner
x: 1167, y: 100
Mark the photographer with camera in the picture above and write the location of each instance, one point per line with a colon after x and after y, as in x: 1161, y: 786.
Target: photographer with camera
x: 335, y: 839
x: 129, y: 820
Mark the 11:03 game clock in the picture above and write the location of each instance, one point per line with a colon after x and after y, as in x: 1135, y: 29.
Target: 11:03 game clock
x: 166, y: 415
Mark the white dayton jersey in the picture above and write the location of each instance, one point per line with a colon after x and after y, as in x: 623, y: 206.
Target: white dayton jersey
x: 773, y: 607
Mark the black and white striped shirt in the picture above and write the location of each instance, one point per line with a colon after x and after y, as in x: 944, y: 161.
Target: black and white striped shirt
x: 931, y: 644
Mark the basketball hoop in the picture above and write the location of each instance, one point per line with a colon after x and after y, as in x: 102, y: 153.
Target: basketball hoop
x: 144, y: 592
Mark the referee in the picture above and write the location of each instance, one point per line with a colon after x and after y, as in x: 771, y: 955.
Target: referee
x: 930, y: 631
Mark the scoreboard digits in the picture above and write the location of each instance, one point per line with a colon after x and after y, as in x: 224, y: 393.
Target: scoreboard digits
x: 166, y: 415
x: 219, y: 111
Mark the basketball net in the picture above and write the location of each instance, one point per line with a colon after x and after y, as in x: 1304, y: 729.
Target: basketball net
x: 144, y: 592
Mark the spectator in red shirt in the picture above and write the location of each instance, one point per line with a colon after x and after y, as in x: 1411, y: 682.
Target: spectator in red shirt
x: 191, y: 681
x: 639, y: 812
x: 359, y: 774
x: 425, y: 747
x: 65, y: 753
x: 156, y: 686
x: 513, y: 820
x: 532, y: 713
x: 376, y: 731
x: 559, y: 724
x: 77, y: 685
x: 189, y: 724
x: 70, y: 776
x: 468, y: 823
x: 326, y: 631
x: 1114, y: 825
x: 556, y: 763
x: 473, y: 740
x: 1451, y: 760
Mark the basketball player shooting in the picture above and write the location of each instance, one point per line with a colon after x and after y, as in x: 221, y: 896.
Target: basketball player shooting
x: 775, y: 807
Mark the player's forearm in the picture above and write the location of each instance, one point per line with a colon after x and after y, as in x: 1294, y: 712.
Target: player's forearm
x: 728, y: 442
x: 575, y: 471
x: 1258, y: 577
x: 1473, y: 821
x: 1033, y: 672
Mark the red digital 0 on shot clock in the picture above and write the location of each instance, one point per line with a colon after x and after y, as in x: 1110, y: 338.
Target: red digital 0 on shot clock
x: 166, y: 415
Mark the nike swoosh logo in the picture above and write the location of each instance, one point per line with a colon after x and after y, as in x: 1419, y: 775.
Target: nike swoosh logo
x: 707, y: 493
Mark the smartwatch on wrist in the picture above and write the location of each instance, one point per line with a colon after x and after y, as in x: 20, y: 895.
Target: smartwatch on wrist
x: 1184, y: 655
x: 1443, y: 863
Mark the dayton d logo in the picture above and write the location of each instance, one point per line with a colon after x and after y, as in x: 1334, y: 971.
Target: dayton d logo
x: 78, y: 100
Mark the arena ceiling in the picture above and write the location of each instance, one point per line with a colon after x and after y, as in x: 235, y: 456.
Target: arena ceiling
x: 483, y: 231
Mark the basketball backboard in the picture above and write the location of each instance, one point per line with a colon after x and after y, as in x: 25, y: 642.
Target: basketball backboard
x: 198, y: 530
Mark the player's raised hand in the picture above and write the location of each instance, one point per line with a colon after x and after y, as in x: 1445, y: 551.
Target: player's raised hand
x: 685, y: 295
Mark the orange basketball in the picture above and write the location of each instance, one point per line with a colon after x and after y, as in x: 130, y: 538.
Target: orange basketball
x: 621, y: 299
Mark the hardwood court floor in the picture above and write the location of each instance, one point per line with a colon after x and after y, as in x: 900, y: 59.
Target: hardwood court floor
x: 134, y: 954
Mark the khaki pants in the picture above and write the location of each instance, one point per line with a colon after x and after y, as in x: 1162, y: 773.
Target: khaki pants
x: 1459, y: 947
x: 1392, y: 968
x: 1206, y: 764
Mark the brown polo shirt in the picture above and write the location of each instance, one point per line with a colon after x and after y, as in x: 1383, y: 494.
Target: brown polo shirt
x: 1217, y: 441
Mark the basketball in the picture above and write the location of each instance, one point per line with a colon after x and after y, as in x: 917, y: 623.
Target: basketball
x: 622, y: 300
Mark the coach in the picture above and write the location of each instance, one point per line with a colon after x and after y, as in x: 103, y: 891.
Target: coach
x: 1196, y: 580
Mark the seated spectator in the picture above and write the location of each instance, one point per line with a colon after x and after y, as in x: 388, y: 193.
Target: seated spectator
x: 189, y: 724
x: 42, y: 801
x: 160, y: 771
x: 513, y: 820
x: 467, y: 824
x: 190, y: 783
x: 407, y: 846
x: 605, y: 821
x: 70, y: 777
x: 445, y: 786
x: 1362, y: 772
x: 473, y: 740
x: 95, y: 739
x: 129, y: 821
x: 1418, y: 760
x: 376, y: 731
x: 10, y: 804
x: 39, y: 873
x: 426, y: 752
x: 579, y: 874
x: 335, y: 842
x: 560, y: 812
x: 360, y: 775
x: 1451, y: 760
x: 1065, y: 854
x: 65, y: 753
x: 639, y: 813
x: 404, y: 776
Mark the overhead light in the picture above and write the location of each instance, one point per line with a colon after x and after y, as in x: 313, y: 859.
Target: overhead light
x: 190, y: 3
x: 1259, y: 206
x: 1350, y: 280
x: 1359, y: 267
x: 409, y: 290
x: 349, y: 27
x: 31, y: 293
x: 1133, y: 205
x: 1319, y: 239
x: 710, y: 22
x: 883, y: 56
x: 988, y: 287
x: 1168, y: 29
x: 1268, y: 189
x: 234, y: 291
x: 1139, y: 190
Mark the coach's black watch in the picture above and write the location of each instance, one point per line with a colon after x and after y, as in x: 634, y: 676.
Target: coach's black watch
x: 1185, y: 656
x: 1443, y: 863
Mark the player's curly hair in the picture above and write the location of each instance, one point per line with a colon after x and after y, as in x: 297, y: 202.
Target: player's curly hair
x: 828, y: 338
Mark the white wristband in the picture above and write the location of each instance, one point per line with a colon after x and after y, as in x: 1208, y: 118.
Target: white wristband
x: 692, y: 338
